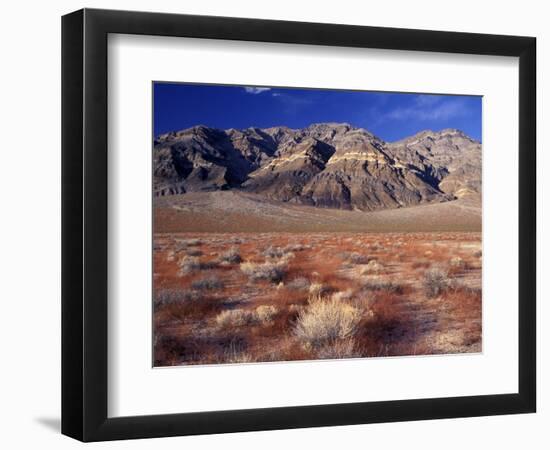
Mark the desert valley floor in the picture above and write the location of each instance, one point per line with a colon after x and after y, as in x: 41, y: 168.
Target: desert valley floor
x: 284, y: 283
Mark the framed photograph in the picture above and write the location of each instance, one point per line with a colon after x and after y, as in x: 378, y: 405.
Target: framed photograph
x: 273, y: 224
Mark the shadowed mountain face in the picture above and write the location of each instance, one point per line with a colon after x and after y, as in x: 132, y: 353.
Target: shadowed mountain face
x: 325, y: 165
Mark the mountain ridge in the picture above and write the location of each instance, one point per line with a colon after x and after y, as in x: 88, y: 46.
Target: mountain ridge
x: 331, y: 165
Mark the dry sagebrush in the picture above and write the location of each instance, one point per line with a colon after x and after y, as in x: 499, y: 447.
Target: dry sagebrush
x: 231, y: 256
x: 435, y: 282
x: 270, y: 271
x: 238, y: 317
x: 325, y: 321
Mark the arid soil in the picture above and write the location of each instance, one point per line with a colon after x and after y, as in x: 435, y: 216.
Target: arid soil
x: 232, y: 211
x: 287, y: 294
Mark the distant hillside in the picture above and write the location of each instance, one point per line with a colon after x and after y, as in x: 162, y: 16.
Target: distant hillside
x: 325, y: 165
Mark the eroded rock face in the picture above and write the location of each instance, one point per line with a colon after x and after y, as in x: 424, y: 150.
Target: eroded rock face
x: 450, y: 159
x: 326, y: 165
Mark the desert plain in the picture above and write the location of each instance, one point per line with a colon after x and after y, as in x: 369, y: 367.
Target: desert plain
x: 239, y: 279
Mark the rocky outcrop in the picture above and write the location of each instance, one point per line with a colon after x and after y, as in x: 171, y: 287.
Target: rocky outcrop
x: 449, y: 158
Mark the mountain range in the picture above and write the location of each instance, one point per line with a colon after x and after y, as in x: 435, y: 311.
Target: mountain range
x: 331, y: 165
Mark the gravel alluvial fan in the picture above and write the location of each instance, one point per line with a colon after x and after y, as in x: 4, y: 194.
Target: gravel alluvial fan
x: 328, y: 165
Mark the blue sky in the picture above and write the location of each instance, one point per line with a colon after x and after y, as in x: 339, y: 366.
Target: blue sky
x: 390, y: 116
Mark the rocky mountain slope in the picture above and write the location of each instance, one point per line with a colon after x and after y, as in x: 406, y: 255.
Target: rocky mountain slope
x: 327, y: 165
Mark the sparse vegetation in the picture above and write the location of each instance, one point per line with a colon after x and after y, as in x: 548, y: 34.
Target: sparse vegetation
x: 457, y: 262
x: 343, y: 295
x: 235, y: 353
x: 299, y: 283
x: 273, y: 252
x: 372, y: 267
x: 317, y: 289
x: 325, y: 321
x: 209, y: 283
x: 273, y: 272
x: 272, y: 297
x: 189, y: 242
x: 265, y: 313
x: 170, y: 296
x: 435, y: 281
x: 232, y: 256
x: 344, y: 348
x: 357, y: 258
x: 189, y: 264
x: 234, y: 318
x: 238, y: 317
x: 296, y: 248
x: 379, y: 285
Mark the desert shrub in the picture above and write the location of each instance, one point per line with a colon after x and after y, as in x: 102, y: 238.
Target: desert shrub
x: 189, y: 264
x: 235, y: 353
x: 185, y: 244
x: 294, y: 308
x: 287, y: 256
x: 326, y: 320
x: 191, y: 242
x: 273, y: 252
x: 278, y: 253
x: 208, y: 283
x: 435, y: 281
x: 207, y: 265
x: 296, y: 247
x: 478, y: 254
x: 193, y: 252
x: 166, y: 296
x: 357, y: 258
x: 457, y: 262
x: 343, y: 295
x: 317, y: 289
x: 265, y: 313
x: 372, y: 267
x: 231, y: 256
x: 240, y: 317
x: 454, y: 285
x: 379, y: 285
x: 170, y: 296
x: 234, y: 318
x: 340, y: 349
x: 273, y: 272
x: 298, y: 284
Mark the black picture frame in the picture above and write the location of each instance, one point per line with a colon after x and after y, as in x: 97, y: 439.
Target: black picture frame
x: 84, y: 224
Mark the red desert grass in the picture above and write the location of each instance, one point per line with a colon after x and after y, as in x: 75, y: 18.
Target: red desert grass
x: 240, y: 298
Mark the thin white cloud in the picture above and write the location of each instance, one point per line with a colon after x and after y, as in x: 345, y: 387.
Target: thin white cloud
x: 426, y: 108
x: 255, y: 90
x: 291, y: 103
x: 427, y: 100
